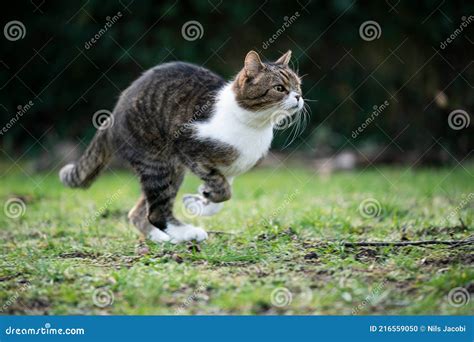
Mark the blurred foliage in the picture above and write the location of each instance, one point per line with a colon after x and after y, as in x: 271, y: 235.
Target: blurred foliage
x: 344, y: 73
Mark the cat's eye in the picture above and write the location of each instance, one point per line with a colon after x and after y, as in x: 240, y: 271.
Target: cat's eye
x: 279, y: 88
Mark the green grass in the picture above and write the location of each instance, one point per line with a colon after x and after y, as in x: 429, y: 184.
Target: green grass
x: 282, y: 232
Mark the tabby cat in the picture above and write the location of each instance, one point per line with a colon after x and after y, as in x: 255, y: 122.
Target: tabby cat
x: 179, y: 116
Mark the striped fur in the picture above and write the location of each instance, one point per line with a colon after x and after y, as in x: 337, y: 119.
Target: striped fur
x: 155, y: 130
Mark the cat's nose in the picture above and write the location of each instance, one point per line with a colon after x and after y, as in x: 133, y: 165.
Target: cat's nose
x: 297, y: 97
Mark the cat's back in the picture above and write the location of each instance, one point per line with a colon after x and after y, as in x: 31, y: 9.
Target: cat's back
x: 183, y: 70
x: 176, y: 80
x: 166, y: 96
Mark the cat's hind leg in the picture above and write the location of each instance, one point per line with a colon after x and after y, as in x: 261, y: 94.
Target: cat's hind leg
x: 138, y: 217
x: 160, y: 184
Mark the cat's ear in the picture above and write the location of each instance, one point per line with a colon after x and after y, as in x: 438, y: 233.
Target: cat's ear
x: 285, y: 59
x: 253, y: 64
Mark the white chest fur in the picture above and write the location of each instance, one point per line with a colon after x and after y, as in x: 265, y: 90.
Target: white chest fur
x: 235, y: 126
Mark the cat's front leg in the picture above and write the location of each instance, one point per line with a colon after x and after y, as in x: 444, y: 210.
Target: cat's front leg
x: 216, y: 188
x: 200, y: 205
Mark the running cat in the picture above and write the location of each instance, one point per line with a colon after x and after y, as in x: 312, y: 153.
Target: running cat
x: 180, y: 116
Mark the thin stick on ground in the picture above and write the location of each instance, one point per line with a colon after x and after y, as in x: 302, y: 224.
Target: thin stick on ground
x: 467, y: 241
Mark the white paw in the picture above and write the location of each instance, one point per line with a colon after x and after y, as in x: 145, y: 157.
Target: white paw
x: 185, y: 232
x: 158, y: 236
x: 197, y: 205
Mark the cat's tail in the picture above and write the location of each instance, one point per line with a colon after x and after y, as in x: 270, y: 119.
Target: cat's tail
x: 82, y: 173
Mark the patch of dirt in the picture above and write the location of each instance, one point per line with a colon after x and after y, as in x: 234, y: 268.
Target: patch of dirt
x: 79, y: 254
x: 107, y: 259
x: 311, y: 256
x: 9, y: 277
x: 437, y: 231
x: 107, y: 213
x: 272, y: 236
x: 465, y: 259
x: 367, y: 254
x: 37, y: 306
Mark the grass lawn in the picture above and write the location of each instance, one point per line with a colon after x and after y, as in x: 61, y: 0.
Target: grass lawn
x: 276, y: 247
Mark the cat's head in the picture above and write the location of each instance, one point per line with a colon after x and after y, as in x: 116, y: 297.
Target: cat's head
x: 268, y: 87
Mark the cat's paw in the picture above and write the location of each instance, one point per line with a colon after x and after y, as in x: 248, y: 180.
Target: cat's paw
x: 220, y: 193
x: 197, y: 205
x: 158, y: 236
x: 185, y: 232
